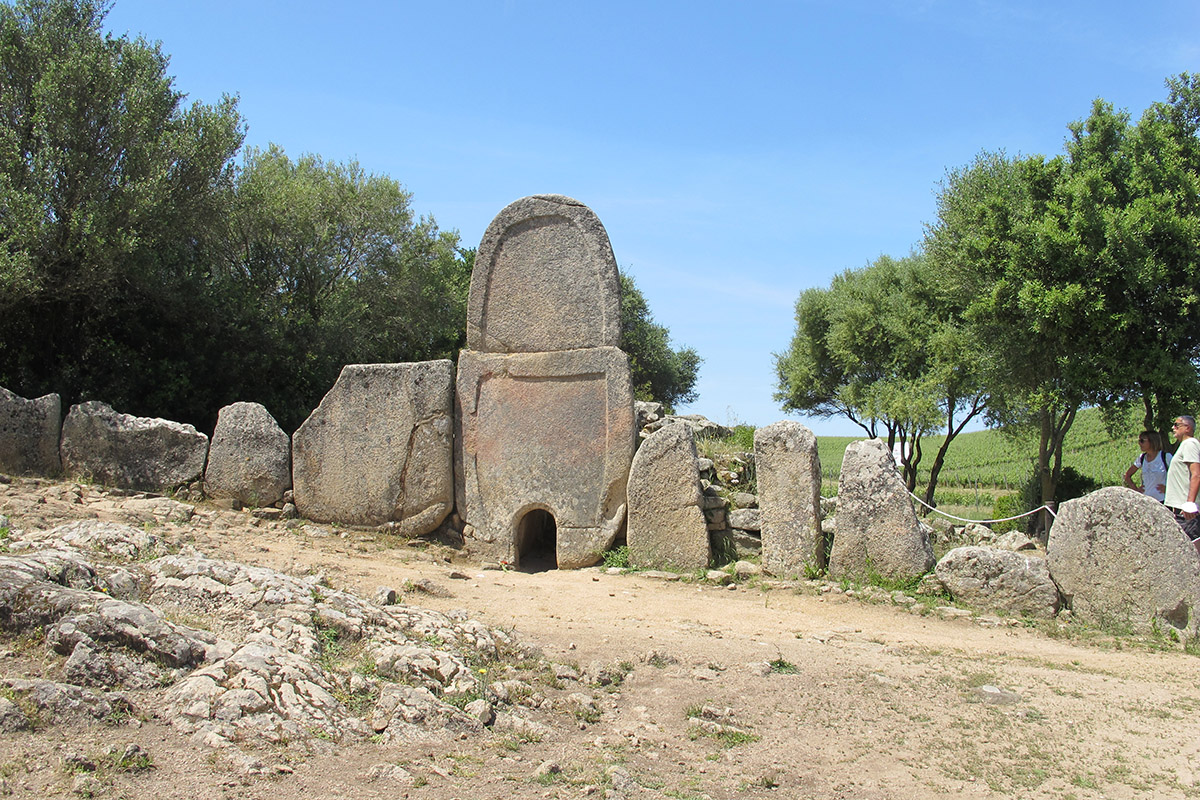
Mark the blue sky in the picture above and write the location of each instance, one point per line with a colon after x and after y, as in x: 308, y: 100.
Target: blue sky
x: 737, y: 153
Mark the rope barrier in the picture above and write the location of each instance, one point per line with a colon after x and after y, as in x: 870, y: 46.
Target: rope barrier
x: 982, y: 521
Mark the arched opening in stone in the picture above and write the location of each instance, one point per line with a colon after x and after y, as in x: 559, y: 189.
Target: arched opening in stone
x: 536, y: 541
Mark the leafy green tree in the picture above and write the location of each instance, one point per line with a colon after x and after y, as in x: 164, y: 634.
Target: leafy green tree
x: 109, y: 189
x: 883, y: 348
x: 1146, y: 237
x: 1008, y: 240
x: 659, y: 372
x: 329, y: 265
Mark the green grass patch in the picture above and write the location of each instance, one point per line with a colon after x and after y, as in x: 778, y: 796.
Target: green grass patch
x: 617, y: 557
x: 783, y: 666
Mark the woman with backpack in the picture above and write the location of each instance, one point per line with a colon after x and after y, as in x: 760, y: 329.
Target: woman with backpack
x: 1152, y: 463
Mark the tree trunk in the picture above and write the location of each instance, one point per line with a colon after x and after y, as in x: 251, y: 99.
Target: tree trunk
x: 939, y: 460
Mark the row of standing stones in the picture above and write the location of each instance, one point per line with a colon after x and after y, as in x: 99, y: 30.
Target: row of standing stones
x: 378, y: 452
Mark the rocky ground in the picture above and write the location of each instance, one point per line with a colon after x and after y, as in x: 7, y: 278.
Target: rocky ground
x: 186, y: 651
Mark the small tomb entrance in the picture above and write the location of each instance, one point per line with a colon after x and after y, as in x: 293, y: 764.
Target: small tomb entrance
x: 537, y: 539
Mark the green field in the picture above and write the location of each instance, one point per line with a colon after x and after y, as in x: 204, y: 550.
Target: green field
x: 984, y: 464
x: 996, y: 460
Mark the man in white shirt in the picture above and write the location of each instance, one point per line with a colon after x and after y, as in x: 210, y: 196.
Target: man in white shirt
x: 1183, y: 476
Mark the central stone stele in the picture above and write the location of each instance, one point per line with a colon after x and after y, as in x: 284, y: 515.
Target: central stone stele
x: 544, y: 401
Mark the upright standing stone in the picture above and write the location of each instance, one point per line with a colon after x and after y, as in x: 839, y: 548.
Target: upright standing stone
x: 250, y: 457
x: 29, y: 434
x: 378, y: 448
x: 1119, y: 557
x: 130, y: 452
x: 666, y: 523
x: 877, y: 531
x: 543, y: 327
x: 789, y: 499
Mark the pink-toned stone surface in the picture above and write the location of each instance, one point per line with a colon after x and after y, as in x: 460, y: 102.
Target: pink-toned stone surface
x: 552, y: 430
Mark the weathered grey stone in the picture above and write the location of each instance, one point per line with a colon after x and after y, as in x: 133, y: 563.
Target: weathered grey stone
x: 666, y: 526
x: 275, y: 686
x: 995, y: 695
x: 1119, y: 557
x: 12, y: 718
x: 975, y: 533
x: 156, y: 509
x: 130, y: 452
x: 701, y: 425
x: 1015, y: 540
x: 746, y: 569
x: 29, y: 434
x: 481, y: 710
x: 63, y: 702
x: 877, y: 528
x: 647, y: 412
x: 789, y: 498
x: 110, y: 538
x: 545, y: 279
x: 1002, y: 581
x: 89, y: 665
x: 745, y: 500
x: 250, y: 458
x: 828, y: 506
x: 520, y: 727
x: 379, y: 448
x: 85, y: 785
x: 746, y: 519
x: 519, y: 477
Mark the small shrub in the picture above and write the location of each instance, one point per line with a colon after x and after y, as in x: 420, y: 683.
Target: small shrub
x: 137, y: 761
x: 742, y: 437
x: 728, y: 737
x: 617, y: 557
x: 813, y: 571
x: 783, y: 666
x: 1008, y: 505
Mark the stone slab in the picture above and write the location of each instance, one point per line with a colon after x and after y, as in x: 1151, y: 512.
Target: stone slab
x: 250, y: 457
x: 666, y: 524
x: 1119, y: 558
x: 545, y: 279
x: 789, y: 499
x: 29, y: 434
x: 144, y: 453
x: 379, y: 448
x: 551, y: 431
x: 877, y: 531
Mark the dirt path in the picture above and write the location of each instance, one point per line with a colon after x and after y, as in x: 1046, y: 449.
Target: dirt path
x: 862, y: 700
